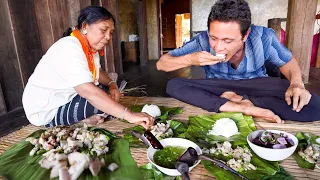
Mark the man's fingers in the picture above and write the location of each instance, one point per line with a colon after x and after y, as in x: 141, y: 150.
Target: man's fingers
x: 208, y: 63
x: 308, y: 98
x: 302, y: 102
x: 288, y: 98
x: 209, y: 57
x: 278, y: 120
x: 295, y: 101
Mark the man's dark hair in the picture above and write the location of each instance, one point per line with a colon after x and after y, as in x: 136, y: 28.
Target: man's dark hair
x: 231, y: 10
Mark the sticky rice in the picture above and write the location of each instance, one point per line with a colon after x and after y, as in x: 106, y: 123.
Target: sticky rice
x: 224, y: 127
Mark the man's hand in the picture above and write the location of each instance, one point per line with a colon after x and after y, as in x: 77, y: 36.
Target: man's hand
x: 300, y: 96
x: 204, y: 58
x: 114, y: 92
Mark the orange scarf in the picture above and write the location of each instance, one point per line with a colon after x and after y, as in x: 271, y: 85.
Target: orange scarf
x: 88, y: 52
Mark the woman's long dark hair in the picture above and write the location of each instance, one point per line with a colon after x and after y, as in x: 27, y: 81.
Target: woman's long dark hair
x: 90, y: 15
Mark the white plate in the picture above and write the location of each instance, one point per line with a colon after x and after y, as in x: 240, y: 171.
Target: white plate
x: 173, y: 142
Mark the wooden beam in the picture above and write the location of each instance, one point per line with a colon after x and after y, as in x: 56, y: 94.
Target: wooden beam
x: 275, y: 24
x: 143, y: 36
x: 109, y: 58
x: 113, y: 49
x: 299, y: 36
x: 12, y: 121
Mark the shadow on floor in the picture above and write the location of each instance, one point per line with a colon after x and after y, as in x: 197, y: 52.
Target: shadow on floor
x: 153, y: 80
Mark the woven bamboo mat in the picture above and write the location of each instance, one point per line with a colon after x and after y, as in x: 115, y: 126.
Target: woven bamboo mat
x: 199, y: 172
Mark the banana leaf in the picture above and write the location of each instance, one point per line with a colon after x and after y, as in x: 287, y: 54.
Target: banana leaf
x: 179, y: 128
x: 15, y: 163
x: 280, y: 175
x: 150, y: 172
x: 133, y: 141
x: 264, y: 168
x: 198, y: 129
x: 165, y: 111
x: 305, y: 140
x: 200, y: 125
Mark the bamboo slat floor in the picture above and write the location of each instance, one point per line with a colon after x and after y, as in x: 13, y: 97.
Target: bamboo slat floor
x: 199, y: 172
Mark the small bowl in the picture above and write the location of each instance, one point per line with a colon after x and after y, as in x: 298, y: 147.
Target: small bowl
x: 173, y: 142
x: 272, y: 154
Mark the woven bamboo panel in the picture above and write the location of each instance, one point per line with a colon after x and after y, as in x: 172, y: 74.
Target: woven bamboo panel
x: 199, y: 172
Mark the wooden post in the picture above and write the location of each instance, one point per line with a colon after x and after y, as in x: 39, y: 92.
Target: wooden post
x: 299, y: 36
x: 3, y: 107
x: 275, y: 24
x: 113, y: 49
x: 178, y: 30
x: 159, y: 22
x: 143, y: 36
x: 318, y: 56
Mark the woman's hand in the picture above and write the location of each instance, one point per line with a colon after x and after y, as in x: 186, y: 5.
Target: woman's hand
x: 142, y: 119
x: 114, y: 92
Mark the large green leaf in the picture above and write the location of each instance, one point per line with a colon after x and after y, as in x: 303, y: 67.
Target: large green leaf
x: 133, y: 141
x: 198, y: 129
x: 15, y: 163
x: 165, y: 111
x: 305, y: 140
x: 280, y: 175
x: 200, y: 125
x: 264, y: 168
x: 150, y: 172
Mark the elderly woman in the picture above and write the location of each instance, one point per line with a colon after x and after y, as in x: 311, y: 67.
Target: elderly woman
x: 63, y: 88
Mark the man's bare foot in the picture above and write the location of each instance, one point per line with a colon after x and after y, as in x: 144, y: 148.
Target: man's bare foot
x: 94, y: 120
x: 231, y: 96
x: 248, y: 108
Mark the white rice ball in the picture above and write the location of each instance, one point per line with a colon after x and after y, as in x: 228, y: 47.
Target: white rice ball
x: 224, y: 127
x: 152, y: 110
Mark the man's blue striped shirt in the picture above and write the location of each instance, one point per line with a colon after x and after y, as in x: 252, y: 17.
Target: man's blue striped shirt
x: 261, y: 46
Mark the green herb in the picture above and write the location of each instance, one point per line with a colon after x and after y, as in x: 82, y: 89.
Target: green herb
x: 168, y: 156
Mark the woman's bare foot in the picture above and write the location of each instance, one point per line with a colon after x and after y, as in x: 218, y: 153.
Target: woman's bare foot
x: 248, y: 108
x: 231, y: 96
x: 94, y: 120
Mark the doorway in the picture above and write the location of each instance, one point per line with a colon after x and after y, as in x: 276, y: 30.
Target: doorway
x: 174, y: 24
x: 182, y: 28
